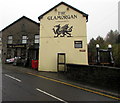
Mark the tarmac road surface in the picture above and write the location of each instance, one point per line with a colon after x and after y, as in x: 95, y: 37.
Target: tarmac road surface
x: 22, y: 86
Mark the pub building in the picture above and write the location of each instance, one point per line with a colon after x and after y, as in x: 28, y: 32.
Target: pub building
x: 21, y: 39
x: 63, y: 38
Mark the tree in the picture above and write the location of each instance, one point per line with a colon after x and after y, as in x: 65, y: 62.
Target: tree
x: 116, y: 54
x: 118, y: 39
x: 101, y: 42
x: 111, y: 37
x: 91, y: 51
x: 92, y: 48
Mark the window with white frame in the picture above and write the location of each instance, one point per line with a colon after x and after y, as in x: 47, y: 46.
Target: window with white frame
x: 36, y: 38
x: 24, y: 39
x: 10, y: 39
x: 78, y: 44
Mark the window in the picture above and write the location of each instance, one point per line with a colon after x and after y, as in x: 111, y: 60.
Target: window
x: 77, y: 44
x: 36, y: 38
x: 10, y: 39
x: 24, y: 39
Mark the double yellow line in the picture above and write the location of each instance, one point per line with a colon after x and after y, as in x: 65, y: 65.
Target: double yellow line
x: 92, y: 91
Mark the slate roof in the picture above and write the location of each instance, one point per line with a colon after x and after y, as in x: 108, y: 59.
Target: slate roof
x: 19, y: 20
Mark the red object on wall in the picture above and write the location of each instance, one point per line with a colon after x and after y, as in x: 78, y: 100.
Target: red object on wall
x: 34, y: 64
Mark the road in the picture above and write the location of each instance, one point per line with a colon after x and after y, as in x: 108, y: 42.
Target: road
x: 24, y: 86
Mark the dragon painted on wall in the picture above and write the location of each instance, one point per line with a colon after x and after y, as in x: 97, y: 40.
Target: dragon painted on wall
x: 62, y: 31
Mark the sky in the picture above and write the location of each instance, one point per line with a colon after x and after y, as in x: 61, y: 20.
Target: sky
x: 103, y: 14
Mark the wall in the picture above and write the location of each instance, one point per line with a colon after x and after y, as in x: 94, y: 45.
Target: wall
x: 0, y: 45
x: 51, y: 45
x: 99, y: 76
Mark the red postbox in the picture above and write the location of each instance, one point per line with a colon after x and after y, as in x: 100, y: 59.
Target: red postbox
x: 34, y: 64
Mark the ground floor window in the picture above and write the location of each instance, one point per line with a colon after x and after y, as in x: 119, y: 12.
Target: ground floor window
x: 78, y: 44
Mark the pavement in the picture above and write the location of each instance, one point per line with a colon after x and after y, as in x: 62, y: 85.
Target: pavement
x: 61, y: 77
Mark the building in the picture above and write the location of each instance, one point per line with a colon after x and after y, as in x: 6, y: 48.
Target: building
x: 0, y: 45
x: 21, y: 39
x: 119, y: 16
x: 63, y: 38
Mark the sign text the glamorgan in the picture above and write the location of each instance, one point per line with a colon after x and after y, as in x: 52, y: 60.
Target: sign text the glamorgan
x: 62, y: 17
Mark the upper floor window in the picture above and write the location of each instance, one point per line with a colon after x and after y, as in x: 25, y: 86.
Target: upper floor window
x: 24, y: 39
x: 10, y: 39
x: 36, y: 38
x: 78, y: 44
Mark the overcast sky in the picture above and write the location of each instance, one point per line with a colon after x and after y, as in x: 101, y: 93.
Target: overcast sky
x: 103, y: 14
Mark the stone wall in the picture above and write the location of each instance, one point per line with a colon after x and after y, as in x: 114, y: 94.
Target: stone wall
x: 100, y: 76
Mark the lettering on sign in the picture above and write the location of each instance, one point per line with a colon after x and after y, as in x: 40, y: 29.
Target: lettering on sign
x: 62, y: 16
x: 16, y: 46
x: 62, y: 31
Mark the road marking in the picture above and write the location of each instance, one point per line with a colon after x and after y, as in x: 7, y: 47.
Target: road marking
x: 51, y: 95
x: 85, y: 89
x: 13, y: 77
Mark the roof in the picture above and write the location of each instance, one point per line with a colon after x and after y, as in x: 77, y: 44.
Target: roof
x: 19, y: 20
x: 84, y: 14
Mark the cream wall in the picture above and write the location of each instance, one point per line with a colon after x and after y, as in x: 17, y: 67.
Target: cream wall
x: 50, y: 46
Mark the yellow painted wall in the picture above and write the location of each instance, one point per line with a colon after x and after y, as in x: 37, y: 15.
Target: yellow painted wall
x: 50, y: 46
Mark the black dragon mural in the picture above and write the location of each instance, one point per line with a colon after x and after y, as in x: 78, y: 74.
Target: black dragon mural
x: 62, y: 30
